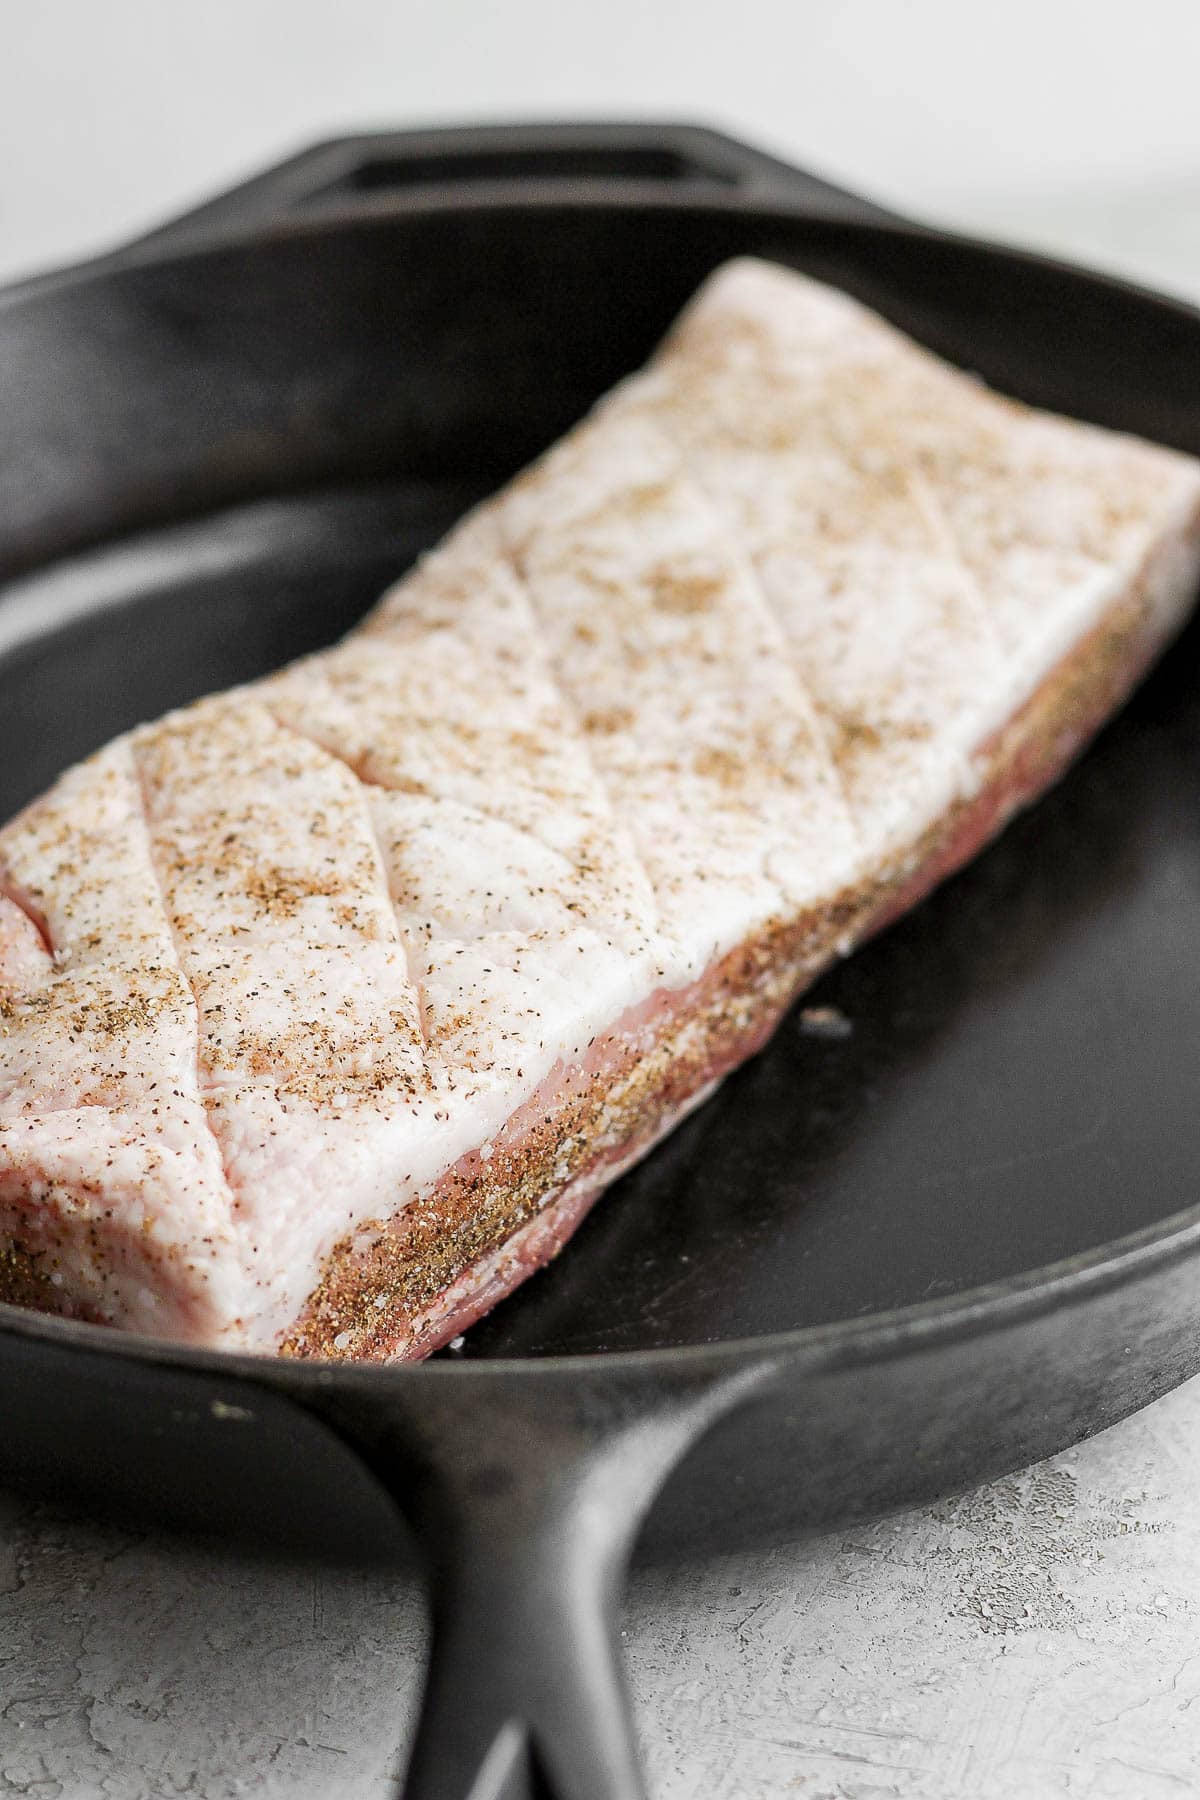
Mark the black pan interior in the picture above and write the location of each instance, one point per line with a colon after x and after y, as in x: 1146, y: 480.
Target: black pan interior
x: 263, y: 437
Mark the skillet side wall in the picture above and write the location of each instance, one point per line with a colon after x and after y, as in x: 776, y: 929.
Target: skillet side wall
x: 465, y: 340
x: 854, y: 1427
x: 887, y: 1425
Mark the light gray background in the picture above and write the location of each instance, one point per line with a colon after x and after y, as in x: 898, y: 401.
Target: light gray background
x: 1037, y: 1639
x: 1039, y: 117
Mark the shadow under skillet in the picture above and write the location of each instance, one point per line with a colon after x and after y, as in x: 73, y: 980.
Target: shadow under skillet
x: 1017, y: 1086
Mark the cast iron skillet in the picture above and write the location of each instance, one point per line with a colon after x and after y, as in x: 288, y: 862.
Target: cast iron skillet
x: 874, y: 1268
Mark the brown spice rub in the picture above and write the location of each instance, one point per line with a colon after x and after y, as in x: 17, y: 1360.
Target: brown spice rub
x: 25, y: 1280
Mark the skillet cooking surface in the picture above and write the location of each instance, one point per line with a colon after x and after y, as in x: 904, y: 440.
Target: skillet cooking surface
x: 1018, y: 1081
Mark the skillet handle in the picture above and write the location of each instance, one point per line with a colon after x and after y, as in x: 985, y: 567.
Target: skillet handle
x: 526, y: 1493
x: 600, y: 160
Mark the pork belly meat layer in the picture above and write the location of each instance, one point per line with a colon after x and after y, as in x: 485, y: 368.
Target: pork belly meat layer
x: 329, y: 1005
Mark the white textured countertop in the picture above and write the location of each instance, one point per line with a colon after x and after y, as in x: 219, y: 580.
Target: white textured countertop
x: 1039, y: 1638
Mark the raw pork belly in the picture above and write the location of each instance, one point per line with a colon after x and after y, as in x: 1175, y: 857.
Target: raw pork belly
x: 329, y: 1005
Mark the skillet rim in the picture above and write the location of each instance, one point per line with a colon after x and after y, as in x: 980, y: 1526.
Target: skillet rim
x: 840, y: 1343
x: 876, y: 1336
x: 163, y: 248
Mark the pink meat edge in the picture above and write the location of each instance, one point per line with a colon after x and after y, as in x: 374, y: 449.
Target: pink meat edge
x: 481, y: 1288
